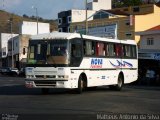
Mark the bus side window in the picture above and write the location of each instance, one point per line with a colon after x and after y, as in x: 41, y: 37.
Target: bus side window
x: 119, y: 50
x: 88, y: 48
x: 111, y: 49
x: 133, y: 51
x: 106, y: 49
x: 100, y: 51
x: 127, y: 51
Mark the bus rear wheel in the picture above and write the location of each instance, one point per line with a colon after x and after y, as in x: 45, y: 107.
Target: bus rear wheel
x: 119, y: 85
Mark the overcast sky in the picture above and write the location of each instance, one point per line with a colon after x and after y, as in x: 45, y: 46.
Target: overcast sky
x: 46, y: 8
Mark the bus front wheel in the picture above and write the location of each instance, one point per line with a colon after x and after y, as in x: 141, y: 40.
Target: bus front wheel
x: 80, y: 85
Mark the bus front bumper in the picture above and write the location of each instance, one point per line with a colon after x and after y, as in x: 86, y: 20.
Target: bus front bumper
x: 42, y: 83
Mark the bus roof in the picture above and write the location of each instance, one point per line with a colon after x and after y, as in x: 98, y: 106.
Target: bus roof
x: 62, y: 35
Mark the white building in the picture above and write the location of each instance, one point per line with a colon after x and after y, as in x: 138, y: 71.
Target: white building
x: 4, y: 38
x: 150, y: 43
x: 30, y: 28
x: 20, y: 46
x: 100, y: 4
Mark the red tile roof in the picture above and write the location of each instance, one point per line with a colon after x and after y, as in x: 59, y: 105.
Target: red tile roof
x: 154, y: 28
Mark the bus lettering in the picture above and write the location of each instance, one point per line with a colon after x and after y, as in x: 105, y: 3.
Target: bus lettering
x: 96, y: 63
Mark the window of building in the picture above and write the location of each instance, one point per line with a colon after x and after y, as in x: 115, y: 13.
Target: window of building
x: 59, y: 21
x: 136, y: 9
x: 101, y: 15
x: 150, y: 41
x: 64, y: 20
x: 127, y: 22
x: 128, y: 35
x: 126, y: 9
x: 69, y: 19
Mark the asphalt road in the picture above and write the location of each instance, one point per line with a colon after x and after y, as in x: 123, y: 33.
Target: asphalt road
x: 18, y: 102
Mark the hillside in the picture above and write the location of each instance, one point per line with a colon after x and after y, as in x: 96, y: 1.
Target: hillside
x: 5, y: 26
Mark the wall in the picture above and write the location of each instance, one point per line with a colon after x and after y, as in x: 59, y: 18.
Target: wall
x: 155, y: 46
x: 5, y: 37
x: 144, y: 22
x: 80, y: 15
x: 122, y: 28
x: 101, y: 4
x: 30, y: 28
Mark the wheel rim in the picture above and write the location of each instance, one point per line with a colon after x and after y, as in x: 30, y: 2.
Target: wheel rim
x: 82, y: 84
x: 120, y: 82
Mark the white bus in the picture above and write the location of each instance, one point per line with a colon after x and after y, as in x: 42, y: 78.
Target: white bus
x: 74, y: 61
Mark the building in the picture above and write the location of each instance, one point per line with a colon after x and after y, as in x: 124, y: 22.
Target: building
x: 20, y: 43
x: 139, y: 18
x: 99, y: 4
x: 4, y: 38
x: 149, y: 52
x: 65, y: 18
x: 150, y: 44
x: 107, y: 23
x: 20, y: 48
x: 30, y: 28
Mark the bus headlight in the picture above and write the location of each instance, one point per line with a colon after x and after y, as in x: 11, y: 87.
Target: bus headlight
x: 29, y: 76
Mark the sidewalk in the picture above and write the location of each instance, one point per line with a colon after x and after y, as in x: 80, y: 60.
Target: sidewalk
x: 144, y: 87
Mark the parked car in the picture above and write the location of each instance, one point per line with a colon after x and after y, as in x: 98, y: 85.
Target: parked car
x: 4, y: 70
x: 9, y: 71
x: 14, y: 71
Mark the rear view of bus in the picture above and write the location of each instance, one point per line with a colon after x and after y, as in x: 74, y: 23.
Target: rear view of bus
x: 69, y: 60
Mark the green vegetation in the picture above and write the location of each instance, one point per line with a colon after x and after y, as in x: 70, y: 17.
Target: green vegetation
x: 127, y: 3
x: 5, y: 24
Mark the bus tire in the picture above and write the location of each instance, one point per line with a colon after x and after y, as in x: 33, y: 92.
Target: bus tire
x: 45, y: 91
x: 120, y: 83
x: 80, y: 85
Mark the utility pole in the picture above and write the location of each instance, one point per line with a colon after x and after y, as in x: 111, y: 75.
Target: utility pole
x: 86, y: 22
x: 33, y: 7
x: 11, y: 23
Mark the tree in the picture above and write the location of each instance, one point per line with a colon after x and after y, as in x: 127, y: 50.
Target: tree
x: 25, y: 16
x: 127, y: 3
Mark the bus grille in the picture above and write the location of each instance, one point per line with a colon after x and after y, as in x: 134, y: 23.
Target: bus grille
x: 40, y: 83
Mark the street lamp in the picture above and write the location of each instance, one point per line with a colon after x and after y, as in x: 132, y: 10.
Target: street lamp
x: 11, y: 23
x: 33, y: 7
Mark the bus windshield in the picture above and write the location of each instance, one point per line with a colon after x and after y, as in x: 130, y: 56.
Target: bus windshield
x: 48, y: 52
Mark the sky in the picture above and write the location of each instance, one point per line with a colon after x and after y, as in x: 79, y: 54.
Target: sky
x: 47, y: 9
